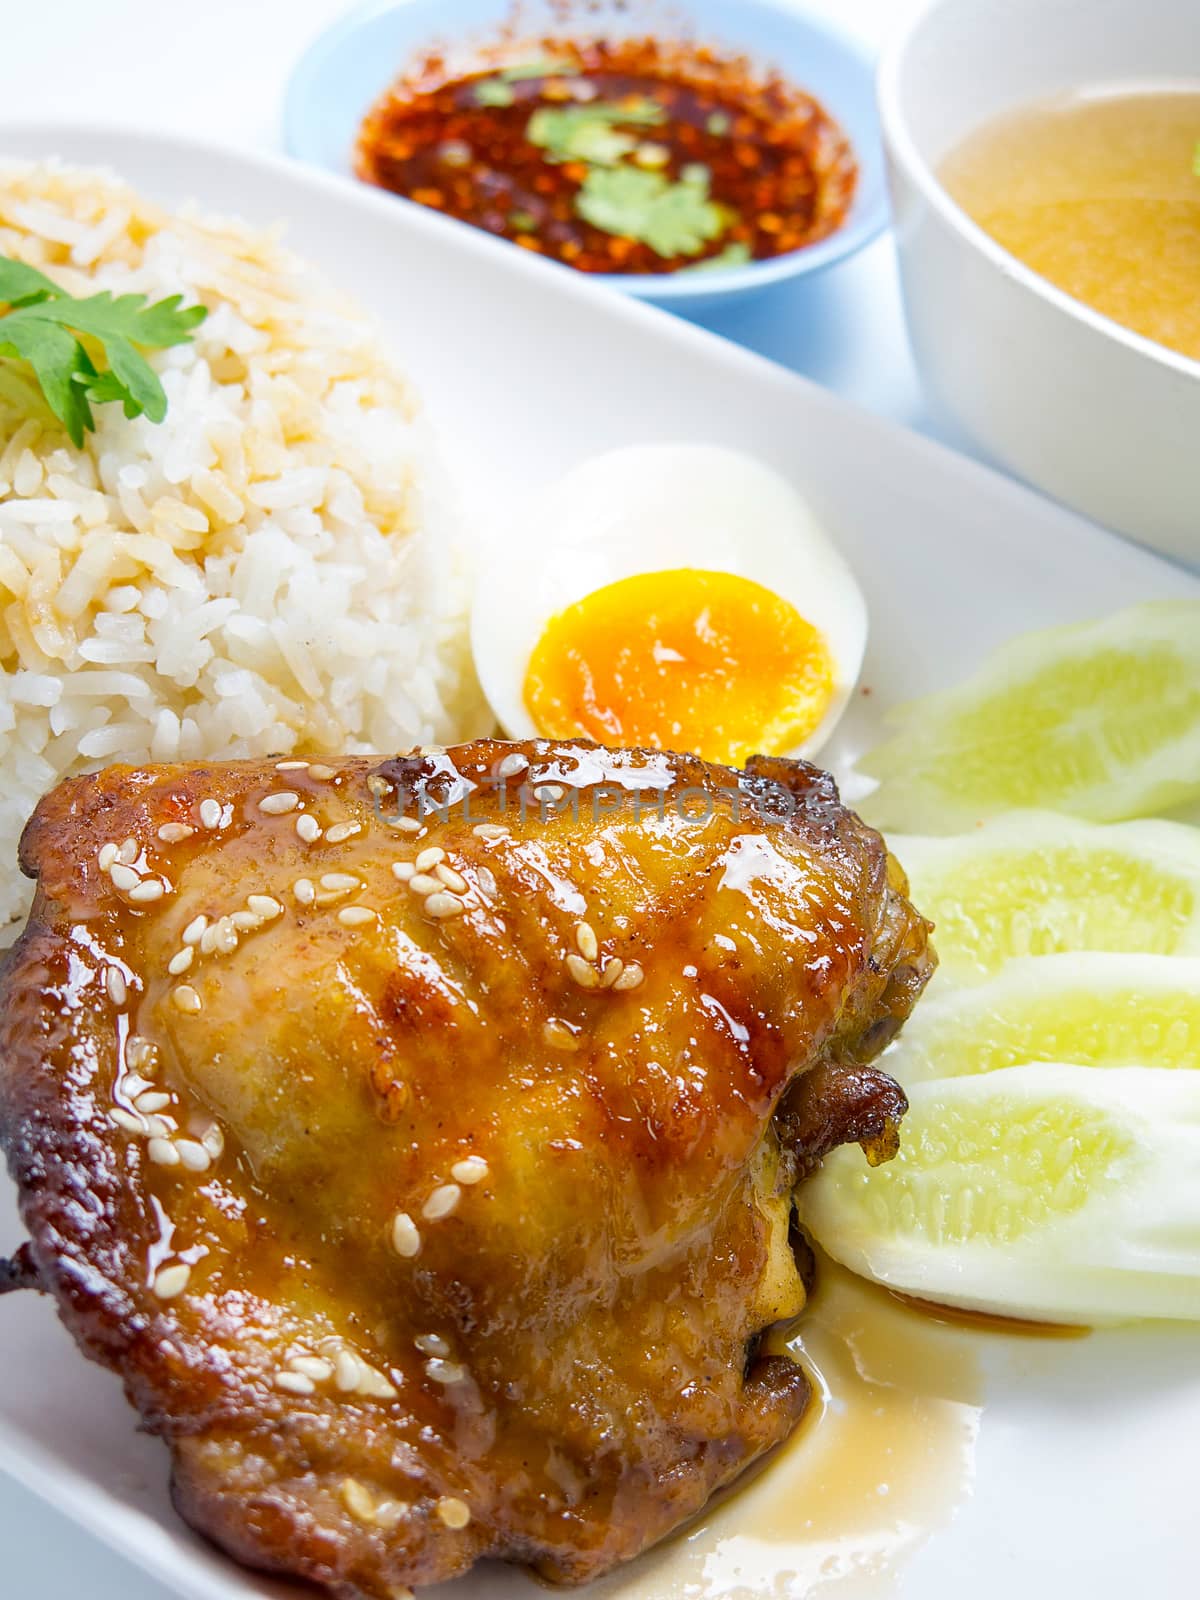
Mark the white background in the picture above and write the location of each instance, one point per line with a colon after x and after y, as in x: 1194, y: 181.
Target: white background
x: 217, y: 68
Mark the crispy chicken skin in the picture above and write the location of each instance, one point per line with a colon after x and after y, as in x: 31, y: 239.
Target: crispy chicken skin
x: 431, y: 1197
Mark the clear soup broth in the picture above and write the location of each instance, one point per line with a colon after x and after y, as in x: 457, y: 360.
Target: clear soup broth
x: 1100, y: 193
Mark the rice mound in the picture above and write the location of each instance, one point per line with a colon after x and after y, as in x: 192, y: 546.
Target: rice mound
x: 273, y: 569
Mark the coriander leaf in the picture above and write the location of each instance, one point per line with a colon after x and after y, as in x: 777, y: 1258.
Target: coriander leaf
x: 127, y: 317
x: 107, y: 386
x: 21, y: 392
x: 523, y: 70
x: 591, y: 133
x: 736, y: 254
x: 672, y: 218
x: 44, y: 326
x: 55, y: 356
x: 20, y: 284
x: 494, y: 92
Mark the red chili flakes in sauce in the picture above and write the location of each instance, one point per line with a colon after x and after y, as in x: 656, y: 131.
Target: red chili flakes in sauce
x: 772, y: 161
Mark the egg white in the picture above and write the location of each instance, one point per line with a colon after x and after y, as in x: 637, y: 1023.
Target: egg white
x: 651, y: 508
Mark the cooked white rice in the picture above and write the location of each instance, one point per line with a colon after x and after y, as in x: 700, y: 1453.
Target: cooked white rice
x: 271, y: 569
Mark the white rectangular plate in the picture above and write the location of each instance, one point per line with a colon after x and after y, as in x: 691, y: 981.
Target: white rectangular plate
x: 1085, y: 1462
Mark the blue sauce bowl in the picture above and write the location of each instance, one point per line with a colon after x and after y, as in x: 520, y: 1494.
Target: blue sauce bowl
x: 344, y: 71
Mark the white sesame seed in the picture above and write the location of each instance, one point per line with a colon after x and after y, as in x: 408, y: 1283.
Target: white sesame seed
x: 404, y: 824
x: 356, y: 916
x: 342, y: 831
x: 549, y: 791
x: 431, y: 1344
x: 585, y: 938
x: 429, y: 858
x: 170, y: 1282
x: 175, y: 832
x: 290, y: 766
x: 390, y: 1514
x: 340, y: 881
x: 213, y: 1140
x: 186, y: 999
x: 123, y: 877
x: 453, y: 1512
x: 138, y: 1051
x: 244, y: 921
x: 193, y: 1155
x: 151, y: 889
x: 441, y: 1202
x: 357, y: 1500
x: 157, y: 1127
x: 453, y: 880
x: 321, y: 772
x: 557, y: 1034
x: 153, y: 1100
x: 294, y: 1383
x: 314, y: 1367
x: 163, y: 1153
x: 613, y: 969
x: 490, y: 830
x: 132, y: 1085
x: 308, y: 829
x: 106, y: 855
x: 264, y: 905
x: 401, y: 1591
x: 378, y: 784
x: 348, y: 1371
x: 421, y: 883
x: 374, y: 1384
x: 127, y: 1120
x: 406, y: 1236
x: 305, y: 891
x: 403, y: 870
x: 114, y: 982
x: 512, y: 764
x: 630, y: 978
x: 584, y: 975
x: 471, y: 1169
x: 181, y: 961
x: 280, y: 803
x: 194, y: 929
x: 486, y: 880
x: 210, y: 813
x: 445, y: 1372
x: 129, y: 852
x: 443, y: 906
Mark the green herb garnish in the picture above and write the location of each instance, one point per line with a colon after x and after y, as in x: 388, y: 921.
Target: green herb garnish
x: 718, y: 124
x: 674, y: 219
x: 494, y: 92
x: 43, y: 326
x: 736, y: 254
x: 522, y: 221
x: 524, y: 70
x: 590, y: 133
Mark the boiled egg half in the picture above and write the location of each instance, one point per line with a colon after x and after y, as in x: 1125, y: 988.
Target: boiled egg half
x: 672, y: 597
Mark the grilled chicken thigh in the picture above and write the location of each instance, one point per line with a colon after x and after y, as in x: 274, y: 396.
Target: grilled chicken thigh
x: 416, y: 1137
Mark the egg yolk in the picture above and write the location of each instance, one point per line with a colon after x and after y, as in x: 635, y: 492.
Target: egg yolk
x: 682, y: 660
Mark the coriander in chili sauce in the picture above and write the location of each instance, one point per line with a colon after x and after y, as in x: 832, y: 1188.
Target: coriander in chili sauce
x: 639, y: 155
